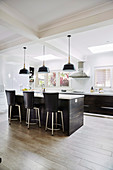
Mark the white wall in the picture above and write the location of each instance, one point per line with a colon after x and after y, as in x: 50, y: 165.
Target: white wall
x: 1, y: 74
x: 103, y: 59
x: 9, y: 74
x: 10, y: 77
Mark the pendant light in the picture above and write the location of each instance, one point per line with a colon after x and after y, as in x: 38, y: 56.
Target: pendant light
x: 24, y: 70
x: 43, y: 69
x: 69, y: 67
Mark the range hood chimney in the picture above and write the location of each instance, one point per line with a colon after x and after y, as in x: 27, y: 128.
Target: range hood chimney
x: 80, y: 73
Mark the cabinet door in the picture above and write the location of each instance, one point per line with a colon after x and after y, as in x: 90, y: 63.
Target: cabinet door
x: 98, y: 104
x: 89, y: 100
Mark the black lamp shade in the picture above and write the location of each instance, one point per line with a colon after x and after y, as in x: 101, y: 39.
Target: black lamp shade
x: 24, y: 71
x: 69, y: 67
x: 43, y: 69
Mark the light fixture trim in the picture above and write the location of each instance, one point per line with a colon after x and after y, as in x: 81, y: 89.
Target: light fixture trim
x: 69, y: 67
x: 43, y: 69
x: 24, y: 70
x: 101, y: 48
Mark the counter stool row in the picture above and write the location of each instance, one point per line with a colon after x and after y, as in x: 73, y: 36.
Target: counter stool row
x: 51, y: 107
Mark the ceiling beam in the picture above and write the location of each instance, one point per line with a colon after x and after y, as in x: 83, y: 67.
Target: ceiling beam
x: 87, y: 20
x: 29, y: 36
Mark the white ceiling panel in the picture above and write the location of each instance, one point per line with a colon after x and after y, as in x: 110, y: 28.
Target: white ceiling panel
x: 42, y: 12
x: 17, y: 31
x: 81, y: 41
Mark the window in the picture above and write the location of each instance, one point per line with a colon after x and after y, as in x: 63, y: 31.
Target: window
x: 64, y: 79
x: 41, y: 79
x: 52, y: 79
x: 103, y: 77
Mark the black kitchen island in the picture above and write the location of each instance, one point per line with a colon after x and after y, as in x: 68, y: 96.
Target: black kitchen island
x: 72, y: 106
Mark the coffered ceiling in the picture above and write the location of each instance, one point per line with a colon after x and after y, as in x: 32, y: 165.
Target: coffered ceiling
x: 37, y: 22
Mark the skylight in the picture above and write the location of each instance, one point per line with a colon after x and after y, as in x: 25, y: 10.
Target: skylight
x: 101, y: 48
x: 47, y: 57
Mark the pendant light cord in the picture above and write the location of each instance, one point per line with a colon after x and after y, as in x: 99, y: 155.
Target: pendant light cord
x: 43, y: 54
x: 24, y: 55
x: 69, y: 48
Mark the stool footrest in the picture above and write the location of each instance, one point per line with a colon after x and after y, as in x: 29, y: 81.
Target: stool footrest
x: 31, y: 123
x: 13, y: 119
x: 55, y: 128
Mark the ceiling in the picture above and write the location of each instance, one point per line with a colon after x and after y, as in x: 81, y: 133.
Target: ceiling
x: 38, y: 22
x: 41, y: 12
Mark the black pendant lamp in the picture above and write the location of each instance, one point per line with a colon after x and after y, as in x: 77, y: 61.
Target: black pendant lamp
x: 69, y: 67
x: 43, y: 69
x: 24, y: 70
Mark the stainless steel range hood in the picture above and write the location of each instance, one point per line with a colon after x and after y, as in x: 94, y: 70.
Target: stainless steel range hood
x: 80, y: 73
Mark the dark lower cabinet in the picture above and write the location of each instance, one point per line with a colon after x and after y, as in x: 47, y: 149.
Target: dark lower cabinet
x: 98, y: 104
x: 72, y: 112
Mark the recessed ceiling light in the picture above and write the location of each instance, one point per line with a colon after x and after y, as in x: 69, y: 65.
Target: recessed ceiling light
x: 101, y: 48
x: 47, y: 57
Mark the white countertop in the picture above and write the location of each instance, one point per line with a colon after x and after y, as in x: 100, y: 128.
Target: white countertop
x: 89, y: 93
x: 61, y: 96
x: 100, y: 94
x: 69, y: 97
x: 72, y: 94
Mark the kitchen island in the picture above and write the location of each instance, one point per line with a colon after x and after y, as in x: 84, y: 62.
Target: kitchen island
x: 71, y: 105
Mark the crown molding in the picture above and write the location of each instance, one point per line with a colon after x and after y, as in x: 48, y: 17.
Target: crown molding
x: 12, y: 44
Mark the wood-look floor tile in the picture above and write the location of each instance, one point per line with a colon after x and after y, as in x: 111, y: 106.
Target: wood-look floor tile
x: 92, y: 165
x: 90, y: 147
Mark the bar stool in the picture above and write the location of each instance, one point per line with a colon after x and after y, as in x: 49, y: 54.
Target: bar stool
x: 10, y: 94
x: 29, y: 104
x: 51, y: 106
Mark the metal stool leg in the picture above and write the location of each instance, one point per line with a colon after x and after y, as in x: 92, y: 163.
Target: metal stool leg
x: 56, y: 119
x: 28, y: 117
x: 0, y: 160
x: 46, y: 120
x: 36, y: 114
x: 62, y: 121
x: 55, y: 123
x: 39, y: 117
x: 19, y: 113
x: 10, y: 110
x: 52, y: 122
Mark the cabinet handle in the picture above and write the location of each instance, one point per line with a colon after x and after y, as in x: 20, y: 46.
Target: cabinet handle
x: 107, y: 107
x: 86, y: 105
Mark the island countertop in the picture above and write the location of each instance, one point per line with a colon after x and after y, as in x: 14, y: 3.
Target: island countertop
x: 61, y: 96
